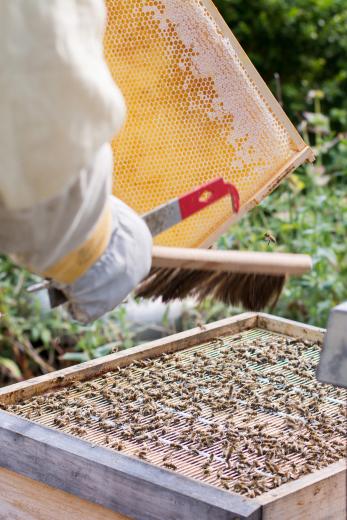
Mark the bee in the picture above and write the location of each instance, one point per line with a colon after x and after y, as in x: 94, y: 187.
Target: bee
x: 142, y: 454
x: 61, y: 421
x: 200, y: 324
x: 117, y: 446
x: 269, y: 238
x: 170, y: 465
x: 78, y: 430
x: 242, y: 487
x: 107, y: 424
x: 176, y: 445
x: 228, y: 453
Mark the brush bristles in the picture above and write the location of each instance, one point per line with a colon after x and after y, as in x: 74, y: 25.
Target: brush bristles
x: 252, y: 291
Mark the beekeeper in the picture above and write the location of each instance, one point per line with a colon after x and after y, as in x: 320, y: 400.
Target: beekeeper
x: 59, y: 110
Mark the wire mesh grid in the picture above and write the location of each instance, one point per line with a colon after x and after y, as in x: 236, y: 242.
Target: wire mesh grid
x: 241, y: 412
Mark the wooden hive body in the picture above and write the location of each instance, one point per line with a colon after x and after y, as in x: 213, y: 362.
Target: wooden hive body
x: 40, y: 464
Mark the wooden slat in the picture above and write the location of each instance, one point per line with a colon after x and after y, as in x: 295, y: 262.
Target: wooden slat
x: 120, y: 483
x: 319, y: 496
x: 22, y: 498
x: 90, y: 369
x: 301, y: 157
x: 231, y: 261
x: 290, y: 328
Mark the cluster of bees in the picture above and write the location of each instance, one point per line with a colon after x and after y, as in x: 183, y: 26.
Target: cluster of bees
x: 243, y: 413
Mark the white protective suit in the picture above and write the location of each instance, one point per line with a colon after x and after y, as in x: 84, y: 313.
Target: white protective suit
x: 59, y: 110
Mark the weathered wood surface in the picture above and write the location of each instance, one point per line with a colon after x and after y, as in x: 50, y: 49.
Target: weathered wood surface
x: 318, y: 496
x: 22, y: 498
x: 290, y: 328
x: 118, y: 482
x: 96, y: 367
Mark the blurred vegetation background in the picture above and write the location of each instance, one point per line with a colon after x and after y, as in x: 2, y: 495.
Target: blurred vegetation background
x: 303, y: 41
x: 300, y: 48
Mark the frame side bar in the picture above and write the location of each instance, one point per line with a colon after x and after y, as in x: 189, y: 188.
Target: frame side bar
x: 256, y: 77
x: 294, y: 162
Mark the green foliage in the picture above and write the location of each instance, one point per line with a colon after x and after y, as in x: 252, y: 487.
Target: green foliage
x: 305, y: 217
x: 33, y: 341
x: 304, y: 41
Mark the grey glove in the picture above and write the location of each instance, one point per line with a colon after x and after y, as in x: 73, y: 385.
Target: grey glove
x: 126, y: 261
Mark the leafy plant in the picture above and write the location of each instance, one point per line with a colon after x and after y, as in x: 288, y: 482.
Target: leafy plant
x: 304, y: 41
x: 33, y: 341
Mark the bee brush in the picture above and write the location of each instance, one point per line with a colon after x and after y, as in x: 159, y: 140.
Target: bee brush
x: 251, y: 279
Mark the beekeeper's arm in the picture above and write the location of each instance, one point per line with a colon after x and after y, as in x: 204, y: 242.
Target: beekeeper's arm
x: 59, y: 110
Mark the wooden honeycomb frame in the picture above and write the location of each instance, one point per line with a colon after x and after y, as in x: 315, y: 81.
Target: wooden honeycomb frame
x: 197, y: 110
x: 139, y: 490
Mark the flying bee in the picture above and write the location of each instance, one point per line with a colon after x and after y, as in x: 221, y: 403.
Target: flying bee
x: 269, y: 238
x: 200, y: 324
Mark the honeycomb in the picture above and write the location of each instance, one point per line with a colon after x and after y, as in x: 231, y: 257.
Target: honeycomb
x: 196, y: 112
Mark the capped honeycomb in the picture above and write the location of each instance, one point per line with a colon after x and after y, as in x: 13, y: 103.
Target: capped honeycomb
x: 197, y: 110
x: 242, y: 412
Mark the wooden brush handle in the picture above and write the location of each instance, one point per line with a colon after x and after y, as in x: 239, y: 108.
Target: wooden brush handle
x: 231, y: 261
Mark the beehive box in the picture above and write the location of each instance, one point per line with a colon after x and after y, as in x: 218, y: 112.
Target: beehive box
x: 221, y: 422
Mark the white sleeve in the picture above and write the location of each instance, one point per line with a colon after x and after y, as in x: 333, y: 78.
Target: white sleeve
x: 58, y: 102
x: 40, y: 236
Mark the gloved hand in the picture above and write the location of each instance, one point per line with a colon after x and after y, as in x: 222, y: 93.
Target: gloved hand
x: 124, y: 263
